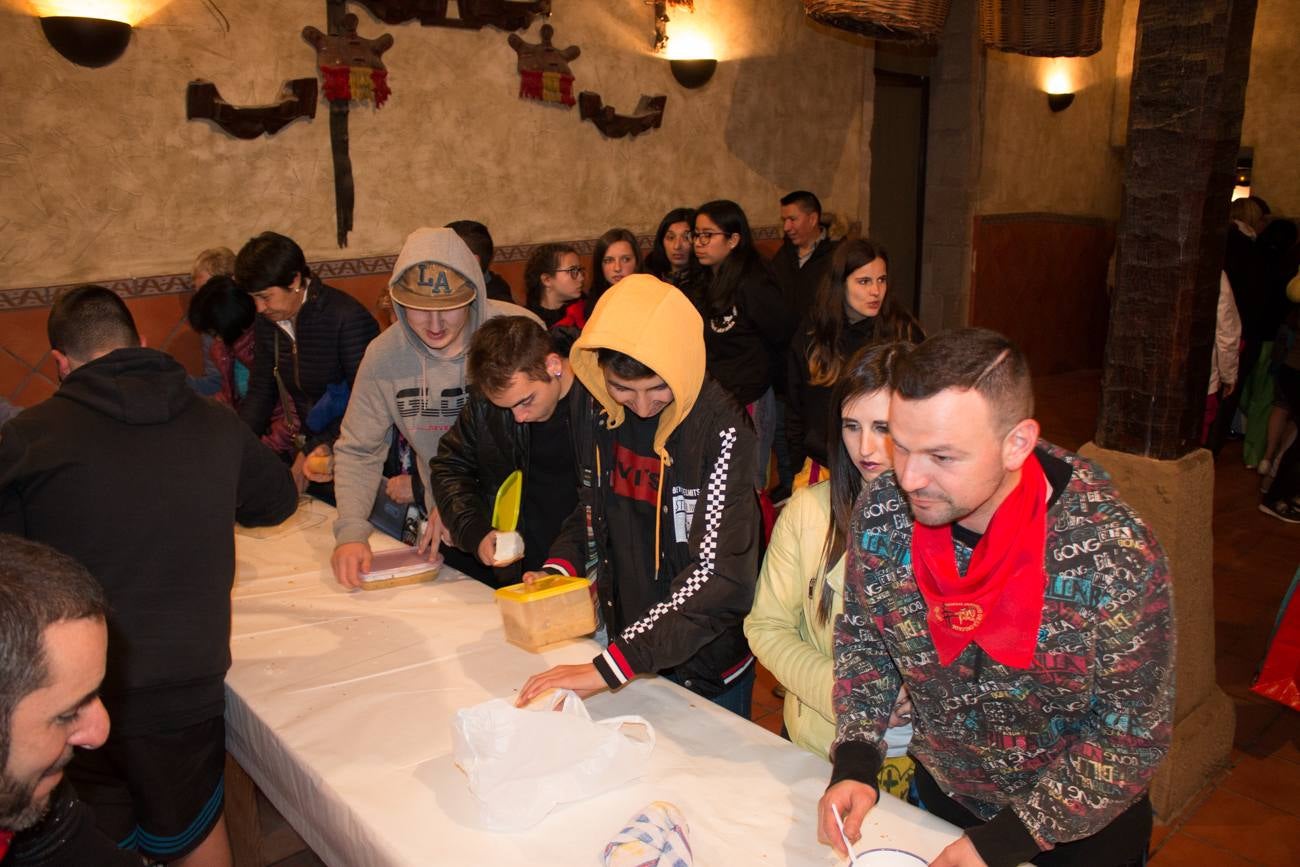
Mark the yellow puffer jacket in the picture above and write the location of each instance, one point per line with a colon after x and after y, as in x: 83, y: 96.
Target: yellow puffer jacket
x: 782, y: 628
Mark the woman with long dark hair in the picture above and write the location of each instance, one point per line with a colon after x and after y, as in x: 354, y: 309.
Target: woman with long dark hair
x: 616, y: 255
x: 672, y: 256
x: 853, y: 308
x: 800, y: 587
x: 746, y: 324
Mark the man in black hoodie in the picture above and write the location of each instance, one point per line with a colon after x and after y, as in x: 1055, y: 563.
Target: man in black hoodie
x: 131, y: 473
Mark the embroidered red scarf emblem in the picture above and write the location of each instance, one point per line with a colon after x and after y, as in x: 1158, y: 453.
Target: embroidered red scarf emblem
x: 998, y: 603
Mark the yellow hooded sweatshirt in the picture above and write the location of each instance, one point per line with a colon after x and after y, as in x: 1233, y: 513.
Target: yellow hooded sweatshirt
x: 708, y: 557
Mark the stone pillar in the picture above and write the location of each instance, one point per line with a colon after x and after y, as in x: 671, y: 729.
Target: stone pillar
x: 1173, y: 498
x: 1189, y: 81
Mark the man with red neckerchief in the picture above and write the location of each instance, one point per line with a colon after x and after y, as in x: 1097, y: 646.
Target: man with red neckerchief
x: 1027, y: 610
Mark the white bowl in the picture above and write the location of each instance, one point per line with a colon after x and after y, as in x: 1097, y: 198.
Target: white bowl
x: 889, y: 858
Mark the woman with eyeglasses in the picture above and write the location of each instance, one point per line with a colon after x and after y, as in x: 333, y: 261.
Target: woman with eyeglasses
x: 553, y: 278
x: 672, y: 257
x: 616, y: 256
x: 801, y: 585
x: 746, y: 324
x: 853, y: 308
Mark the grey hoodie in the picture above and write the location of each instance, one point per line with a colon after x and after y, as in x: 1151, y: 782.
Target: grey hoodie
x: 402, y: 382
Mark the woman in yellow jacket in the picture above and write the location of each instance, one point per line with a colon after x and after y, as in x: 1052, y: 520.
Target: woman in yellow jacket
x: 800, y: 587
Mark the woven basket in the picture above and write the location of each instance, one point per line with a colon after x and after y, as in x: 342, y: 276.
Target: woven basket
x: 894, y: 20
x: 1042, y: 28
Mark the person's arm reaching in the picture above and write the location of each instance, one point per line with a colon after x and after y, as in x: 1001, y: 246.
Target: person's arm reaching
x: 716, y: 589
x: 267, y: 495
x: 359, y: 457
x: 455, y: 476
x: 866, y: 687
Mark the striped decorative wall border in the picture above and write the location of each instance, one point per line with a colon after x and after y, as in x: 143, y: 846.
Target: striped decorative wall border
x: 178, y: 284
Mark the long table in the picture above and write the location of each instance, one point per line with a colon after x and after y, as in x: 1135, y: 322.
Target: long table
x: 340, y: 707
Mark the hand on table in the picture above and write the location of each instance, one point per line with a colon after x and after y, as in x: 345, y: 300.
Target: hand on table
x: 318, y: 466
x: 583, y: 679
x: 853, y: 799
x: 959, y: 853
x: 399, y: 489
x: 349, y: 560
x: 435, y: 532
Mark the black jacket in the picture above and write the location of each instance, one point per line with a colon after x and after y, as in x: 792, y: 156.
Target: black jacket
x: 67, y: 837
x: 497, y: 287
x: 141, y: 480
x: 332, y: 332
x: 483, y: 447
x: 746, y: 346
x: 808, y: 411
x: 710, y: 536
x: 799, y: 285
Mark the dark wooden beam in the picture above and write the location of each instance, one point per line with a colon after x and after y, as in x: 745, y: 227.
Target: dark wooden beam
x: 1189, y: 88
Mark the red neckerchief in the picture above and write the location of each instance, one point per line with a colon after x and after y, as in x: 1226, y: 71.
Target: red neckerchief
x: 998, y: 604
x: 5, y: 838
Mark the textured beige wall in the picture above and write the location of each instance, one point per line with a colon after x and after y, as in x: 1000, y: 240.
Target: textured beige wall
x: 1273, y: 106
x: 104, y: 177
x: 1036, y: 160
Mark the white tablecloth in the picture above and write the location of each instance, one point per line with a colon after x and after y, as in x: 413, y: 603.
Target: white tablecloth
x: 339, y: 707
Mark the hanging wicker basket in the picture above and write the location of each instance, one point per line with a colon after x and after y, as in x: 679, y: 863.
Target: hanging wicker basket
x: 1042, y: 28
x: 895, y: 20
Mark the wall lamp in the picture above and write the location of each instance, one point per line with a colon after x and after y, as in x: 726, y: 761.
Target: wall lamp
x: 87, y: 41
x: 691, y: 58
x: 693, y: 73
x: 1059, y: 87
x: 1059, y: 101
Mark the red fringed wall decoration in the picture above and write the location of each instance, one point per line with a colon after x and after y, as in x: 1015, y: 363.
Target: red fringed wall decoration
x: 546, y: 87
x: 356, y: 84
x: 351, y: 66
x: 544, y: 73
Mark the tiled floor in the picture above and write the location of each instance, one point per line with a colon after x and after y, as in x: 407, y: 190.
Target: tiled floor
x: 1252, y: 815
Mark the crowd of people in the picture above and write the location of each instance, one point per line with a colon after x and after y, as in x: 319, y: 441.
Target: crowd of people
x: 1255, y: 375
x: 961, y: 614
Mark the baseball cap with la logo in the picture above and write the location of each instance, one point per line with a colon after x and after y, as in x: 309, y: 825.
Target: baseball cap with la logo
x: 432, y: 286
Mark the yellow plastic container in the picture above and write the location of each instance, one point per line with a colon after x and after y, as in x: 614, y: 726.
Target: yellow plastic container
x: 552, y: 610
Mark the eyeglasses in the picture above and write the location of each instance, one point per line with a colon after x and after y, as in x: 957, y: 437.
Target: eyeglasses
x: 575, y: 272
x: 706, y: 238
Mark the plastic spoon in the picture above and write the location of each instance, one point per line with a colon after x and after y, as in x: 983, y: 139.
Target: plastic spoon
x: 839, y: 823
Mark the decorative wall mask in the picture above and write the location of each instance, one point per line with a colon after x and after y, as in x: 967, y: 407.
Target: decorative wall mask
x: 203, y: 102
x: 351, y: 65
x: 648, y: 115
x: 473, y: 14
x: 544, y: 72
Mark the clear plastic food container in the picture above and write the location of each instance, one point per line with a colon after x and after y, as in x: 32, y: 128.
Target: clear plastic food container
x: 551, y: 610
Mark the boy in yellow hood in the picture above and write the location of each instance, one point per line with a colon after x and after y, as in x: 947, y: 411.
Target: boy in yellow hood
x: 665, y: 462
